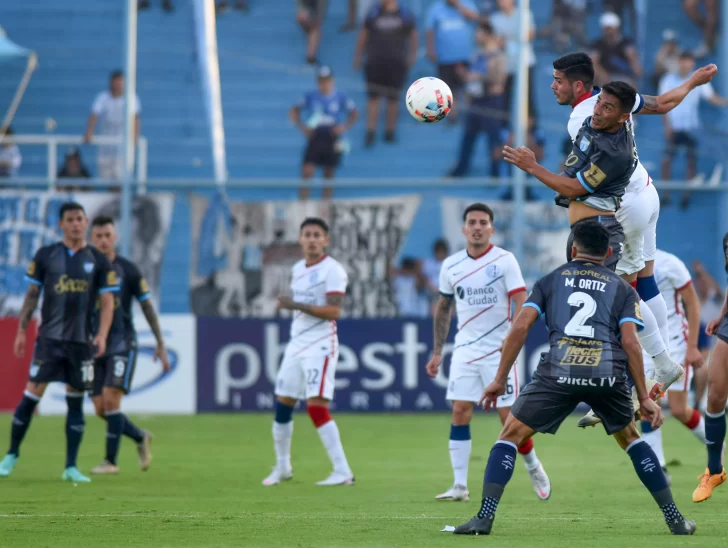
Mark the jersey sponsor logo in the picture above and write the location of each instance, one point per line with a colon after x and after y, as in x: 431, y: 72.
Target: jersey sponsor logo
x: 592, y: 273
x: 638, y: 311
x: 571, y: 160
x: 605, y: 381
x: 584, y: 143
x: 493, y: 271
x: 477, y: 295
x: 582, y: 357
x: 31, y: 269
x: 70, y: 285
x: 88, y: 267
x: 594, y: 176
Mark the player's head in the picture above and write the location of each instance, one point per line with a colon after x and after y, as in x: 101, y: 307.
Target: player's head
x: 591, y: 241
x: 478, y: 225
x: 103, y: 234
x: 72, y: 220
x: 325, y: 77
x: 116, y: 83
x: 313, y: 237
x: 686, y: 63
x: 573, y: 77
x: 614, y: 106
x: 485, y: 33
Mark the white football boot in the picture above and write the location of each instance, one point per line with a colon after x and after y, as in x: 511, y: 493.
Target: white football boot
x: 277, y: 476
x: 338, y: 478
x: 455, y: 493
x: 541, y: 483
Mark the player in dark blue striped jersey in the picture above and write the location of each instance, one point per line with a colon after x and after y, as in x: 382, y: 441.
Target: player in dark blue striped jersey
x: 113, y: 372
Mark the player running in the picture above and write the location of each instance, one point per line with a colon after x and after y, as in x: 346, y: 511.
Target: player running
x: 715, y: 425
x: 640, y: 206
x: 480, y: 283
x: 592, y: 316
x: 114, y: 371
x: 72, y: 276
x: 318, y: 286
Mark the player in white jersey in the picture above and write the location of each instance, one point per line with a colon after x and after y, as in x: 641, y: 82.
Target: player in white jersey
x: 673, y: 279
x: 480, y: 282
x: 640, y: 206
x: 318, y: 286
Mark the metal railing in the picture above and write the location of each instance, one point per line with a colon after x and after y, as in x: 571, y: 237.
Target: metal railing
x: 52, y: 141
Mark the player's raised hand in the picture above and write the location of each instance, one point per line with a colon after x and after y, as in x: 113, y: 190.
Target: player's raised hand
x: 713, y: 326
x: 694, y: 357
x: 704, y: 74
x: 651, y: 411
x: 19, y: 344
x: 160, y: 353
x: 491, y: 394
x: 521, y: 157
x: 100, y: 344
x: 433, y: 366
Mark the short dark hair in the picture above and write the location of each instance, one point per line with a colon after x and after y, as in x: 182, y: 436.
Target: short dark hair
x: 625, y: 93
x: 577, y: 67
x: 316, y: 221
x: 486, y: 27
x: 116, y: 74
x: 102, y: 220
x: 440, y: 243
x: 70, y: 206
x: 687, y: 54
x: 591, y: 238
x: 479, y: 207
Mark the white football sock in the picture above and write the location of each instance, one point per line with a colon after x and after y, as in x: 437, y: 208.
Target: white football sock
x: 329, y: 434
x: 531, y: 460
x: 650, y: 336
x: 659, y: 310
x: 282, y: 436
x: 654, y: 440
x: 460, y: 459
x: 699, y: 430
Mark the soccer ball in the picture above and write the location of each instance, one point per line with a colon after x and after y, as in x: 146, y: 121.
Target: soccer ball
x: 429, y: 100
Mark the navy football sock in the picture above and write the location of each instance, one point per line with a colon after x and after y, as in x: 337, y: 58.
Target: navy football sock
x: 714, y: 437
x: 114, y: 429
x: 21, y: 421
x: 650, y: 472
x: 498, y: 473
x: 131, y: 430
x: 75, y: 425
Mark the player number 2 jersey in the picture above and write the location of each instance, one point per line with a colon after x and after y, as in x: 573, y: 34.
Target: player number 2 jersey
x: 311, y: 284
x: 482, y: 288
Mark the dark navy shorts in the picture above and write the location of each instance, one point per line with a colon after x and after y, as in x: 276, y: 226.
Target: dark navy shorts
x: 60, y: 361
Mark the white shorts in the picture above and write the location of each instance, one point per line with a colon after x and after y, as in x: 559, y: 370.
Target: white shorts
x: 307, y: 376
x: 468, y: 381
x: 110, y: 167
x: 638, y: 216
x: 681, y: 385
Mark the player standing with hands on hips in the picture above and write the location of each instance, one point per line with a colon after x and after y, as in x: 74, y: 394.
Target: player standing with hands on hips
x: 479, y: 282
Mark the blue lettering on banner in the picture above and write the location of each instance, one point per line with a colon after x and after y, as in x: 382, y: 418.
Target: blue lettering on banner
x: 381, y: 364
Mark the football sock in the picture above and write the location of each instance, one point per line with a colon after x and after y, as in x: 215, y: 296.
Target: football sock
x: 75, y: 425
x: 283, y: 435
x: 529, y: 455
x: 654, y: 440
x: 131, y: 430
x: 696, y: 425
x: 650, y: 337
x: 715, y: 436
x: 460, y: 446
x: 650, y: 472
x: 650, y: 294
x: 114, y: 429
x: 329, y: 434
x: 21, y: 421
x: 498, y: 473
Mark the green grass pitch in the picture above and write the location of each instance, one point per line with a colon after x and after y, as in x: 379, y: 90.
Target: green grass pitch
x: 204, y: 489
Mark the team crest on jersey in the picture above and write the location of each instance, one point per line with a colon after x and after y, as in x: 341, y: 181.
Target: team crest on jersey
x: 460, y: 292
x: 314, y: 277
x: 493, y: 271
x: 584, y: 144
x: 88, y: 267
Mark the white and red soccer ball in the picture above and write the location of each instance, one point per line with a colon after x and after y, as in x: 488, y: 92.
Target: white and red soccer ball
x: 429, y: 100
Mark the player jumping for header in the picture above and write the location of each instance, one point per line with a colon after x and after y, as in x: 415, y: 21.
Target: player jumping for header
x: 592, y: 316
x: 479, y: 282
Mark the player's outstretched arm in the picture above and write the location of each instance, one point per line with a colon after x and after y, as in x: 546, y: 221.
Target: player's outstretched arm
x: 514, y: 341
x: 631, y: 345
x: 330, y: 311
x: 441, y: 327
x: 524, y: 159
x: 664, y: 103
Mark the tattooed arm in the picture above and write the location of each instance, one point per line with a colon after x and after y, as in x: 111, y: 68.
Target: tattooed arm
x: 30, y: 303
x: 160, y: 353
x: 330, y: 311
x: 443, y: 313
x: 664, y: 103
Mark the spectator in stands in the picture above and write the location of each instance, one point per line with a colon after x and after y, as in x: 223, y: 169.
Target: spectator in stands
x: 450, y: 42
x: 535, y: 140
x: 166, y: 5
x: 108, y: 111
x: 240, y: 5
x: 568, y: 24
x: 389, y: 39
x: 506, y: 24
x: 73, y: 168
x: 668, y: 57
x: 330, y: 114
x: 682, y: 124
x: 707, y: 22
x: 486, y: 84
x: 615, y: 56
x: 625, y: 10
x: 310, y: 14
x: 409, y: 287
x: 10, y: 157
x: 432, y: 265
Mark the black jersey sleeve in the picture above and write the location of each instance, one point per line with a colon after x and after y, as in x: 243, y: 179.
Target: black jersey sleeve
x: 36, y: 268
x: 137, y: 283
x: 629, y: 311
x: 537, y: 299
x: 106, y: 278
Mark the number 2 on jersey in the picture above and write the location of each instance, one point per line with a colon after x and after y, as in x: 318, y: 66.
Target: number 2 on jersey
x: 577, y: 325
